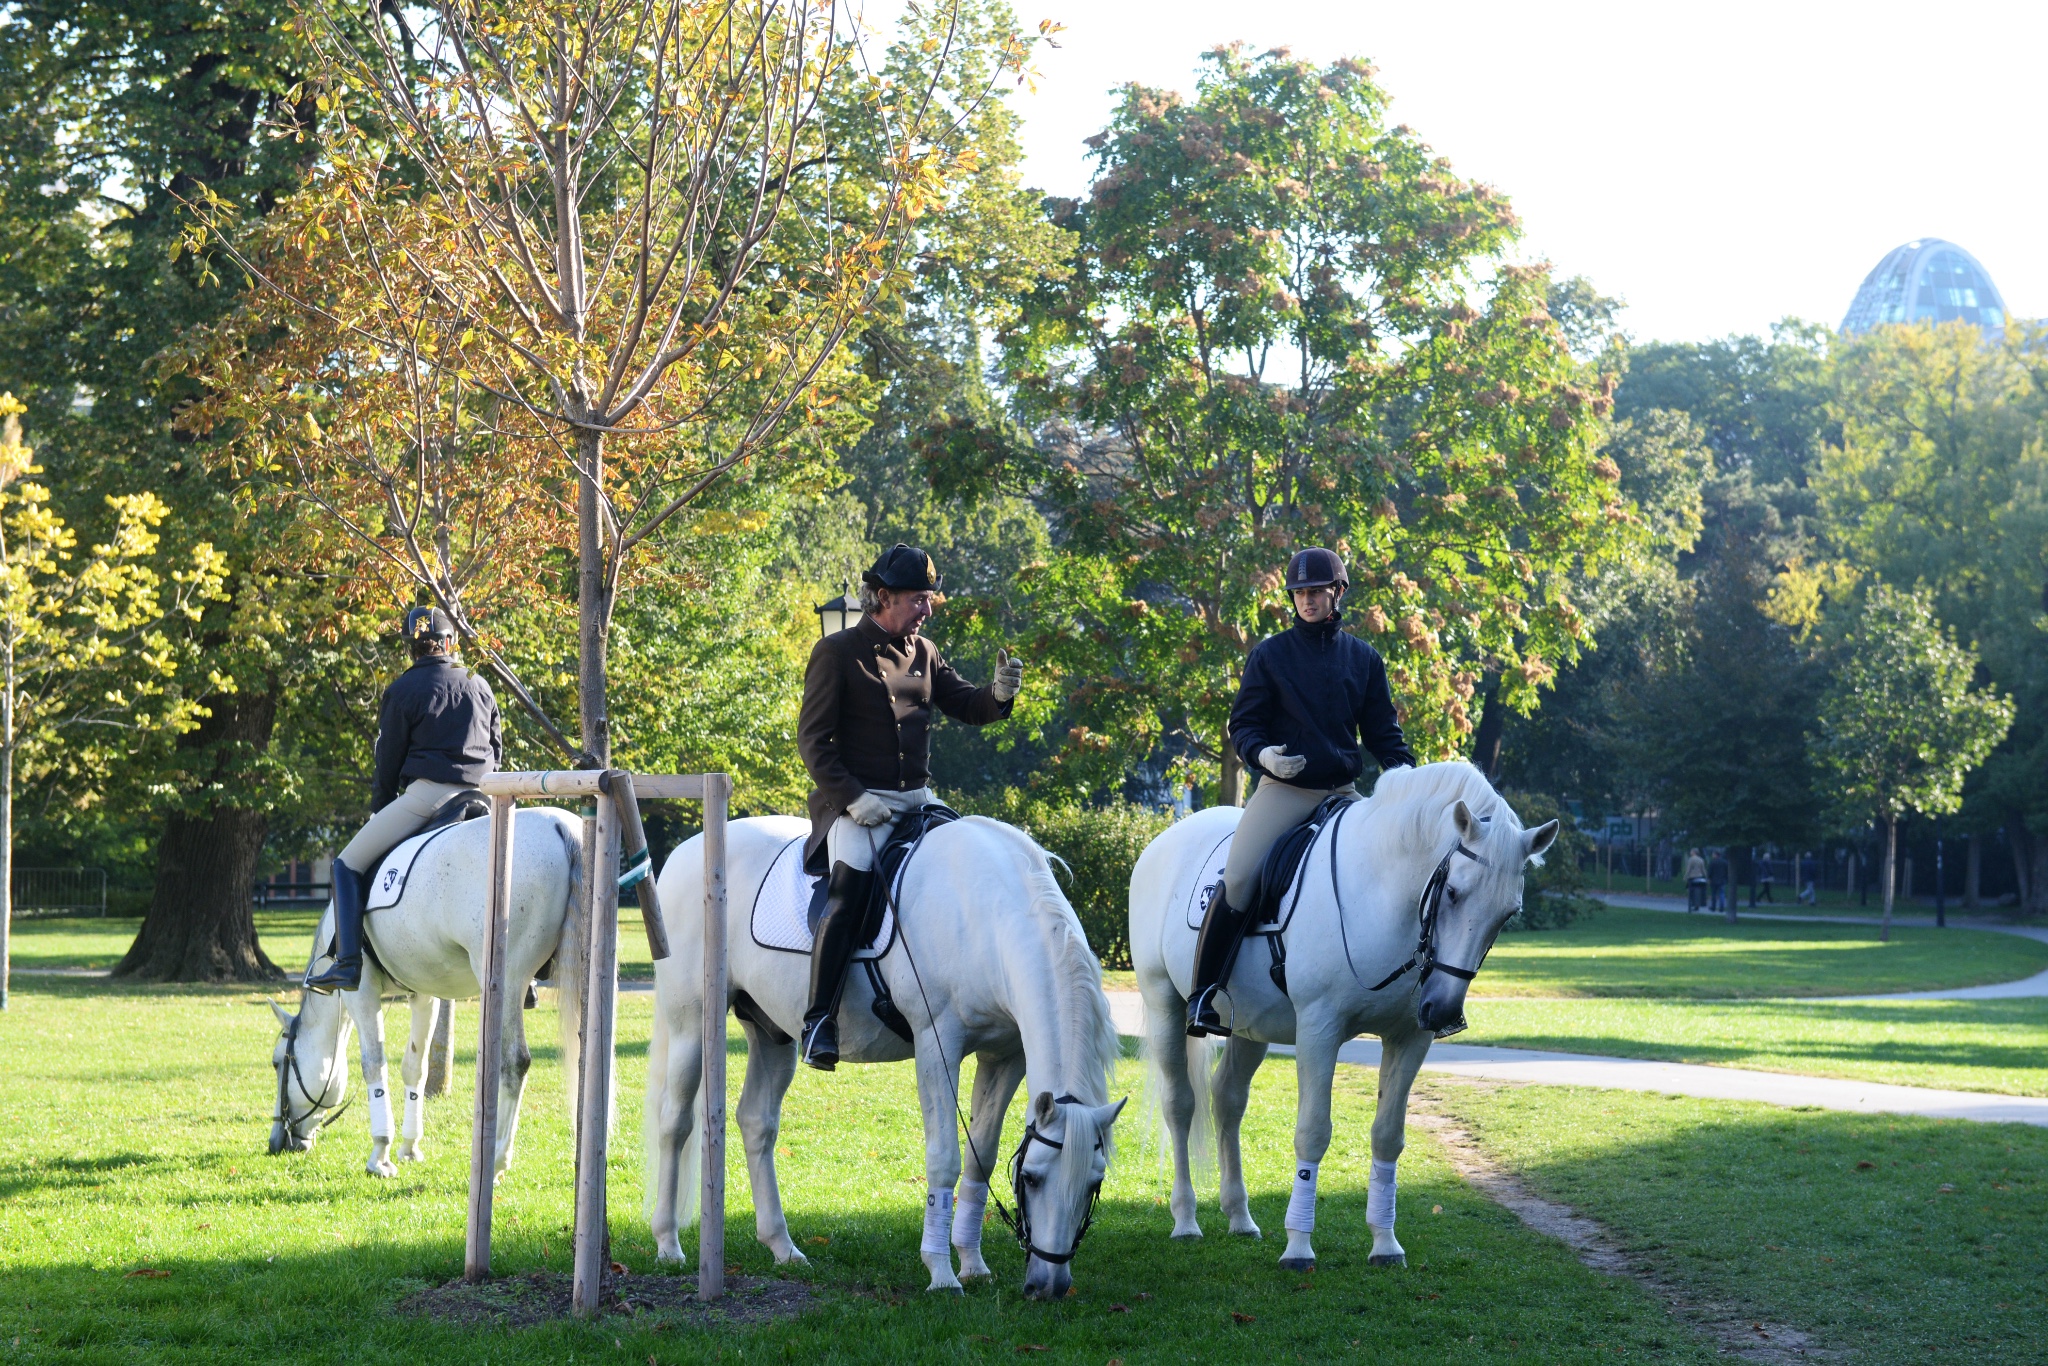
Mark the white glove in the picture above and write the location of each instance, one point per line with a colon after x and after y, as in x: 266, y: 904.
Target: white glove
x: 868, y: 809
x: 1280, y: 763
x: 1009, y: 676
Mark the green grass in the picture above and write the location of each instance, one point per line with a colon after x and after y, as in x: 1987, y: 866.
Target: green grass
x: 1776, y: 1210
x: 1999, y: 1046
x: 1623, y: 952
x: 131, y: 1136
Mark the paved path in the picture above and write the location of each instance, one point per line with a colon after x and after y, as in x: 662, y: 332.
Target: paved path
x: 2034, y: 986
x: 1673, y: 1078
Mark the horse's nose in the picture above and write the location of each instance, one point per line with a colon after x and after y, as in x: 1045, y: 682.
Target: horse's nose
x: 1045, y: 1281
x: 1441, y: 1008
x: 277, y: 1137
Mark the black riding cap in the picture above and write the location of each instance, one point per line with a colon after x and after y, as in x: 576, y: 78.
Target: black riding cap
x: 428, y: 623
x: 1315, y: 568
x: 903, y: 568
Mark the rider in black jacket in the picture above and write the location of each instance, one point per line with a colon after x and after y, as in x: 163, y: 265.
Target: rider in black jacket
x: 1310, y: 698
x: 438, y: 732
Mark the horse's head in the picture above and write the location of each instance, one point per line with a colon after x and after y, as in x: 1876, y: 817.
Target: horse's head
x: 311, y: 1084
x: 1475, y: 889
x: 1054, y: 1179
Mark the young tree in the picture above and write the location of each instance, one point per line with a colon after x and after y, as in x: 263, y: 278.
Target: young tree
x: 587, y: 260
x: 1900, y: 724
x: 84, y: 654
x: 1272, y: 336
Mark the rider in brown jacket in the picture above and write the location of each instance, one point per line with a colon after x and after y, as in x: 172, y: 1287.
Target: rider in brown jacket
x: 865, y: 736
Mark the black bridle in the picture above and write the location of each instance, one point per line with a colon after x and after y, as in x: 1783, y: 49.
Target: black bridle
x: 288, y: 1073
x: 1427, y: 911
x: 1020, y: 1222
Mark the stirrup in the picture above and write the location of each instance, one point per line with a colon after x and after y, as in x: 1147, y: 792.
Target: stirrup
x: 343, y: 974
x: 1203, y: 1019
x: 820, y: 1047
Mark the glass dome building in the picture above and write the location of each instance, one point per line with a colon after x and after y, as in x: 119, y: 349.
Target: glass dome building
x: 1926, y: 280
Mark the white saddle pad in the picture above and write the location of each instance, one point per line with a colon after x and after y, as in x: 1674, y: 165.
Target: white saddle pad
x: 1209, y: 872
x: 389, y: 885
x: 782, y: 907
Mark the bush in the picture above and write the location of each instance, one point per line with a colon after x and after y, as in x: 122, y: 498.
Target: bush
x: 1099, y: 846
x: 1552, y: 895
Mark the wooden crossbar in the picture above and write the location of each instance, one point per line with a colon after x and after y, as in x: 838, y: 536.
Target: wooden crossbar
x: 616, y: 794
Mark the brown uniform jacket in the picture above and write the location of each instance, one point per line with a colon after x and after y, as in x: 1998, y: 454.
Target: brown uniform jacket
x: 867, y: 719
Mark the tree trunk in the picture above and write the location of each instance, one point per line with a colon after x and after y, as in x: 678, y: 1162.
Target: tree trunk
x: 1891, y: 854
x: 1973, y: 871
x: 593, y: 609
x: 1230, y: 787
x: 201, y: 925
x: 6, y: 853
x: 1493, y: 718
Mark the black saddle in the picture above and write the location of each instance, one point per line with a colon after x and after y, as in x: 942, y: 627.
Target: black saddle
x: 465, y: 805
x: 1270, y: 908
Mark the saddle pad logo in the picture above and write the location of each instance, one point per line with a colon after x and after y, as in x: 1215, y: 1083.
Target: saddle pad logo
x: 390, y: 878
x: 1208, y: 881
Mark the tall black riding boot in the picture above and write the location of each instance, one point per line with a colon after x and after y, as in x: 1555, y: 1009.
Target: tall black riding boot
x: 1223, y: 928
x: 832, y: 951
x: 345, y: 973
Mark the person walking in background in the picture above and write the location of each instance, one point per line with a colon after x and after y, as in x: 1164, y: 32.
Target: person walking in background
x: 1764, y: 879
x: 1695, y: 882
x: 1809, y: 877
x: 1717, y: 882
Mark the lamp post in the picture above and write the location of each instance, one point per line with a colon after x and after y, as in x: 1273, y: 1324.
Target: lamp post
x: 838, y: 614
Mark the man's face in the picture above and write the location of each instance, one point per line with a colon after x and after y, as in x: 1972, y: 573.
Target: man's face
x: 1316, y: 604
x: 902, y: 612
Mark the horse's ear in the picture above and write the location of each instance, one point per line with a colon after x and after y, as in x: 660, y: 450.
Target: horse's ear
x: 1469, y: 829
x: 1539, y: 839
x: 1045, y: 1110
x: 284, y: 1017
x: 1105, y: 1115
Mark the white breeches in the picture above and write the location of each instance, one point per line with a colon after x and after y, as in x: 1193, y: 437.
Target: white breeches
x: 855, y: 845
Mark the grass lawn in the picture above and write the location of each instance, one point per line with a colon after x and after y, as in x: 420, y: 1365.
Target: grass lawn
x: 1623, y: 952
x: 1999, y: 1046
x: 1898, y: 1239
x: 132, y: 1128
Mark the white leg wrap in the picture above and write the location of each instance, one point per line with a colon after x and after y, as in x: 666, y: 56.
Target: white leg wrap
x: 968, y: 1214
x: 1379, y: 1195
x: 412, y: 1112
x: 938, y: 1222
x: 380, y: 1111
x: 1301, y: 1205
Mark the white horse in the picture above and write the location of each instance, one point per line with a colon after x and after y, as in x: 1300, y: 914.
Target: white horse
x: 988, y: 959
x: 1394, y: 910
x: 429, y: 946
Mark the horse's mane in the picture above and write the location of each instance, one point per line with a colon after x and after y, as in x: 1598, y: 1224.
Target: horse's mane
x: 1084, y: 1008
x: 1412, y: 800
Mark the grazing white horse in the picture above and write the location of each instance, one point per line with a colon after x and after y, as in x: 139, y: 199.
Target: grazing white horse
x: 988, y: 959
x: 428, y: 946
x: 1394, y: 910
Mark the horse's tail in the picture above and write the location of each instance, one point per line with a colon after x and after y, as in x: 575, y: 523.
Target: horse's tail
x: 570, y: 969
x: 1198, y: 1057
x: 690, y: 1176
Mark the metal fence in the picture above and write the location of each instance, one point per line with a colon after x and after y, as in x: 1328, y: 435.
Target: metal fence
x: 60, y: 891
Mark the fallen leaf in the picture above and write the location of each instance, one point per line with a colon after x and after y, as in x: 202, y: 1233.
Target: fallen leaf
x: 1119, y: 1309
x: 1945, y: 1189
x: 619, y: 1269
x: 148, y: 1272
x: 817, y: 1240
x: 1436, y: 1209
x: 1033, y: 1347
x: 210, y: 1225
x: 1144, y: 1294
x: 1865, y: 1165
x: 1243, y: 1318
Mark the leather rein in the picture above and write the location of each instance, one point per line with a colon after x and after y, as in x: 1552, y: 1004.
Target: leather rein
x: 1428, y: 909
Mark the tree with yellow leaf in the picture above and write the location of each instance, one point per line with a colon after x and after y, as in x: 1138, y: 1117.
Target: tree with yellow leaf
x: 560, y: 270
x: 84, y: 652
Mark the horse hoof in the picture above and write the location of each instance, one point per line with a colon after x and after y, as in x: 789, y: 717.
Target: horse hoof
x: 954, y: 1289
x: 1390, y: 1259
x: 1190, y: 1236
x: 381, y: 1169
x: 1297, y: 1264
x: 1253, y: 1232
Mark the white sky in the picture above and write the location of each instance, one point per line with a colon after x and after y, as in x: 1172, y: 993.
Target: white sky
x: 1718, y: 167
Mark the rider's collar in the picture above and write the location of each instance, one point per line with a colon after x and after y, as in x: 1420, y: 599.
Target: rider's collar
x: 1323, y: 629
x: 877, y: 635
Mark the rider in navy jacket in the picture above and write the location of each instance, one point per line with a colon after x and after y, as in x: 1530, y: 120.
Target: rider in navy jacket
x: 1316, y: 690
x: 1307, y: 700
